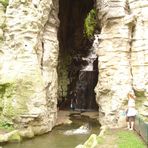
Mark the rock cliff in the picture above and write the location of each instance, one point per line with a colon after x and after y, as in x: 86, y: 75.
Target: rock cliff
x: 29, y: 59
x: 29, y: 62
x: 122, y: 57
x: 2, y: 25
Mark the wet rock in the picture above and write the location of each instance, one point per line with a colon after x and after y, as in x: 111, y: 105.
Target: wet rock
x: 91, y: 142
x: 13, y: 136
x: 27, y: 133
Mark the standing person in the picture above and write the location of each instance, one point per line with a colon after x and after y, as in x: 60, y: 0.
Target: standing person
x: 131, y: 111
x: 73, y: 103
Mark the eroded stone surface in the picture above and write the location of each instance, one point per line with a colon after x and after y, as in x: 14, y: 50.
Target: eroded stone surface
x: 29, y: 64
x: 2, y: 25
x: 122, y: 56
x: 139, y: 51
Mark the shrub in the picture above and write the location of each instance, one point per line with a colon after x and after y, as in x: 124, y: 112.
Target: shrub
x: 90, y: 23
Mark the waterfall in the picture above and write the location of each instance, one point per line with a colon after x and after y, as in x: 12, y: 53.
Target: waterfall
x: 87, y: 81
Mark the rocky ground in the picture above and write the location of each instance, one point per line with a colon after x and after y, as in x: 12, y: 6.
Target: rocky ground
x: 63, y: 116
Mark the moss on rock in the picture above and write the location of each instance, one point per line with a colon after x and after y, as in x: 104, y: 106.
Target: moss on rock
x: 27, y: 133
x: 3, y: 93
x: 4, y: 2
x: 91, y: 142
x: 15, y: 137
x: 14, y: 97
x: 139, y: 93
x: 6, y: 124
x: 140, y: 101
x: 14, y: 100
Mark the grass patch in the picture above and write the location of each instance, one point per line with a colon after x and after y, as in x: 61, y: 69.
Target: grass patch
x: 100, y: 140
x: 128, y: 139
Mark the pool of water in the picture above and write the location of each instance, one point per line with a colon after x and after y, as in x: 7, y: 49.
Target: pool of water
x: 57, y: 138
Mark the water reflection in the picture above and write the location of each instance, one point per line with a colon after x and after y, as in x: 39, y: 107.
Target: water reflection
x: 57, y: 139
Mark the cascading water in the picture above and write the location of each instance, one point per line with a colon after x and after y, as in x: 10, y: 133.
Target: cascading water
x: 87, y: 79
x: 85, y: 96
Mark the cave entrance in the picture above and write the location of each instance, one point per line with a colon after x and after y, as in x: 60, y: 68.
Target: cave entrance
x: 78, y: 65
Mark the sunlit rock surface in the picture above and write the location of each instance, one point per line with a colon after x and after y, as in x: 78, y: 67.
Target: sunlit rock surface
x: 139, y: 52
x: 29, y: 57
x: 114, y: 80
x: 28, y: 72
x: 122, y: 56
x: 2, y: 25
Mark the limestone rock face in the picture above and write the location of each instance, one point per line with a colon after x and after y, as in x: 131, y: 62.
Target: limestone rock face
x: 29, y: 76
x: 29, y: 59
x: 139, y: 52
x: 122, y: 56
x: 2, y: 24
x: 114, y: 65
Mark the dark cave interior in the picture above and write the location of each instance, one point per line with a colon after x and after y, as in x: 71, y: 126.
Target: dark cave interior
x: 76, y: 85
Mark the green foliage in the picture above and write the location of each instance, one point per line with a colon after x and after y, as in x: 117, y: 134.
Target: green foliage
x: 3, y: 90
x: 13, y: 97
x: 128, y: 139
x: 4, y: 2
x: 90, y: 23
x: 6, y: 124
x: 15, y: 137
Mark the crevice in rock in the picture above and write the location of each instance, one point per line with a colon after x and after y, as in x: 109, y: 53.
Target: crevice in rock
x: 76, y: 82
x: 42, y: 57
x: 132, y: 28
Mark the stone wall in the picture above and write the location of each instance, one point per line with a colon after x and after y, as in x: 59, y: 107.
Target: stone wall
x: 29, y: 76
x: 122, y: 56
